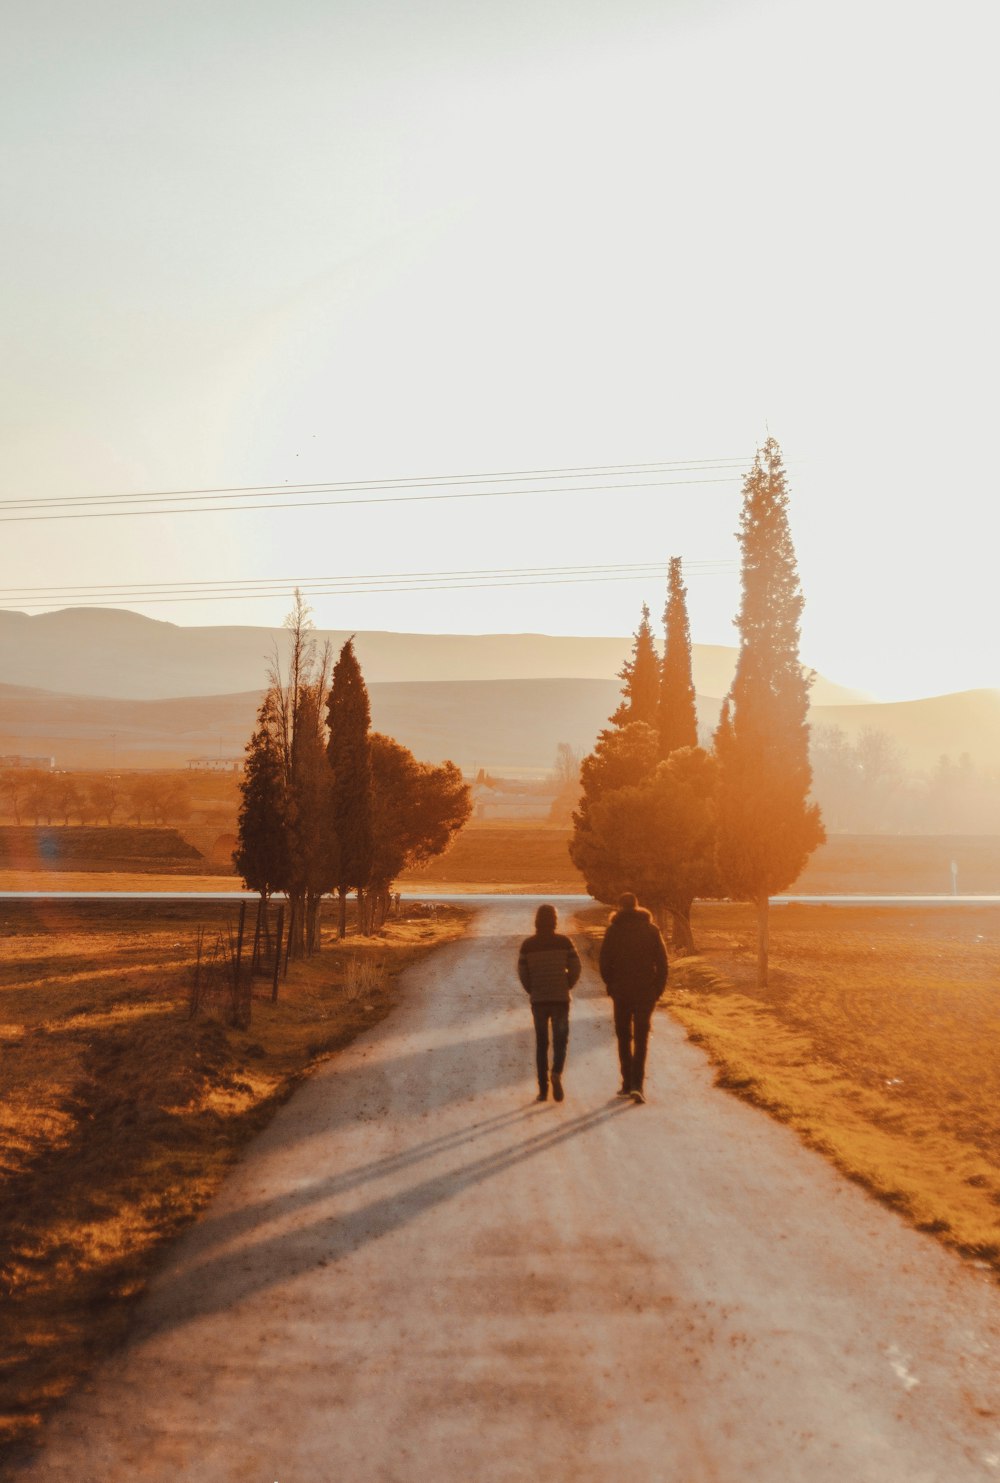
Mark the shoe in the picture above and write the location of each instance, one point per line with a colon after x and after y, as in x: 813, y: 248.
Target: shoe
x: 557, y: 1087
x: 636, y: 1095
x: 543, y: 1094
x: 623, y: 1091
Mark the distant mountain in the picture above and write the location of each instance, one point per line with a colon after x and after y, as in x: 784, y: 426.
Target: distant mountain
x: 502, y: 725
x: 113, y: 652
x: 942, y: 725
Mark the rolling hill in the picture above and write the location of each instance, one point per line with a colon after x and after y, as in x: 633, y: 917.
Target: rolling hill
x: 111, y: 652
x: 502, y: 725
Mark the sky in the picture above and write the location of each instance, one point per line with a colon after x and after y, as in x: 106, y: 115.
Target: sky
x: 251, y: 244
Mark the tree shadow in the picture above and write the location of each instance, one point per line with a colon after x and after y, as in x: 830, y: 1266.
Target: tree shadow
x: 221, y: 1282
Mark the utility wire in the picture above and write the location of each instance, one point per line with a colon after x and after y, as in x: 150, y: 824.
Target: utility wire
x: 555, y: 577
x: 331, y: 486
x: 395, y: 499
x: 288, y: 583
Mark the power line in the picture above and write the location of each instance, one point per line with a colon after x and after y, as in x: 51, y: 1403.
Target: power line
x: 316, y: 504
x: 110, y: 596
x: 362, y: 493
x: 331, y: 486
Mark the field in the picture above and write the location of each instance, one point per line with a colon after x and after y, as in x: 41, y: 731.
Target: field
x: 876, y: 1040
x: 119, y: 1115
x: 498, y: 856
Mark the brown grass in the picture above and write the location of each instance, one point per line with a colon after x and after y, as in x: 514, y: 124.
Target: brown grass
x: 119, y: 1116
x: 876, y: 1040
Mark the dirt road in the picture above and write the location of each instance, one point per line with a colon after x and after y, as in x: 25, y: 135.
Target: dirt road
x: 418, y: 1276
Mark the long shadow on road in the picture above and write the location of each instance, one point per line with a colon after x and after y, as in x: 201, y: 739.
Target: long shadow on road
x: 441, y: 1078
x: 229, y: 1278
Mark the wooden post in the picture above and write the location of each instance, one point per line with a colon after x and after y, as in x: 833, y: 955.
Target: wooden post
x: 277, y: 955
x: 291, y: 934
x: 238, y: 961
x: 255, y: 956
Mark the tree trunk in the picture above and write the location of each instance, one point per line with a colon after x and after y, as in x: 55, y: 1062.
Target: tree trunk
x: 342, y: 918
x: 762, y: 904
x: 683, y: 937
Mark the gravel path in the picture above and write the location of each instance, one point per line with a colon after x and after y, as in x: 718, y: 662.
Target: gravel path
x: 416, y: 1275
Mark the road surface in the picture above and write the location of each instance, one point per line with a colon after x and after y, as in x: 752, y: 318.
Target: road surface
x: 416, y: 1275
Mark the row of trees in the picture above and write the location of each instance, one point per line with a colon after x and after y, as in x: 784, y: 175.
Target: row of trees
x: 327, y: 805
x: 865, y: 786
x: 671, y: 820
x: 28, y: 794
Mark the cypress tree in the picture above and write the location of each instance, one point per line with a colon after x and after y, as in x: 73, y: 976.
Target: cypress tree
x: 261, y: 855
x: 349, y: 752
x: 678, y: 718
x: 641, y: 673
x: 767, y: 828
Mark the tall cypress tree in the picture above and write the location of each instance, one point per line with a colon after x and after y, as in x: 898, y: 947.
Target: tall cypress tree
x: 349, y: 751
x: 678, y: 719
x: 641, y: 673
x: 767, y: 828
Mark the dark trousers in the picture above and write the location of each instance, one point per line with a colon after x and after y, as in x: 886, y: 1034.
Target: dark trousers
x: 559, y: 1015
x: 632, y: 1019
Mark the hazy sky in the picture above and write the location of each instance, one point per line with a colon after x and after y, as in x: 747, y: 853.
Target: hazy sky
x: 250, y: 243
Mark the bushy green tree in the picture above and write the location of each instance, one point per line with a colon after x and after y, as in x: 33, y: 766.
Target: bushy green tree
x: 677, y: 716
x: 767, y: 827
x: 622, y: 758
x: 417, y: 810
x: 656, y: 838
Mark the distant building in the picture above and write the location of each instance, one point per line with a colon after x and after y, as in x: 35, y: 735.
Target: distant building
x: 215, y: 764
x: 37, y: 764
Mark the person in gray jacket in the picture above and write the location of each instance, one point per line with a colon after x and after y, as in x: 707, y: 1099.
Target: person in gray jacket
x: 548, y: 966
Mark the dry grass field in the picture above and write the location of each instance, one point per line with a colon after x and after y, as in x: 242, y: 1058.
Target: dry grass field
x: 119, y: 1115
x: 530, y: 856
x: 876, y: 1039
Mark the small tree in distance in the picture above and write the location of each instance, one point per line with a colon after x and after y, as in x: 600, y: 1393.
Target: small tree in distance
x: 677, y: 715
x: 767, y: 828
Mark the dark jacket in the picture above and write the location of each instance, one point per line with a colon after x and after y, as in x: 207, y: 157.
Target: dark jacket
x: 548, y: 966
x: 633, y: 958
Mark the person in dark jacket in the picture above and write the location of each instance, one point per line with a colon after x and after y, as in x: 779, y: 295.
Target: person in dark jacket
x: 548, y: 966
x: 633, y: 966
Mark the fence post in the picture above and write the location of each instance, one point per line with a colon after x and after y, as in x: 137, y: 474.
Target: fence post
x: 291, y: 933
x: 277, y: 955
x: 237, y: 963
x: 255, y: 956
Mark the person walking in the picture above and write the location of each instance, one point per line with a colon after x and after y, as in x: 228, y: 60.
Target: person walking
x: 548, y: 966
x: 633, y: 965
